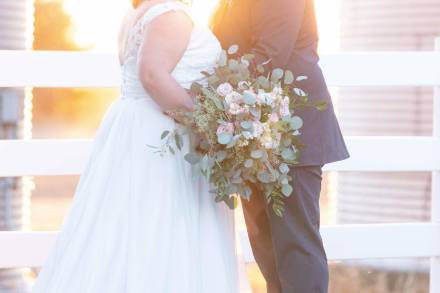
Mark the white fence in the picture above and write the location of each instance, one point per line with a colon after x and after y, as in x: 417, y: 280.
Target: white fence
x: 61, y: 157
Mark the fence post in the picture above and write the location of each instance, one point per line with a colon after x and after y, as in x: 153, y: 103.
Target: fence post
x: 435, y: 200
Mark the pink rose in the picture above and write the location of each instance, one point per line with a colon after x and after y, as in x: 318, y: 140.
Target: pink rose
x: 225, y: 128
x: 236, y: 109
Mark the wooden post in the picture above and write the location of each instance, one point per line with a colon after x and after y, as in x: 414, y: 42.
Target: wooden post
x: 435, y: 200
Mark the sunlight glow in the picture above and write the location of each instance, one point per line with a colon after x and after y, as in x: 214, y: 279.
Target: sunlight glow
x: 97, y: 21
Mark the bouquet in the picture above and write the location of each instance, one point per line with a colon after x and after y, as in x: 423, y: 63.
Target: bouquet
x: 246, y: 128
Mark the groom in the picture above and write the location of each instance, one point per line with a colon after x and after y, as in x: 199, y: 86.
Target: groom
x: 288, y: 250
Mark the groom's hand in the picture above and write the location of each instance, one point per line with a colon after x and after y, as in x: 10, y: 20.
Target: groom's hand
x: 275, y: 26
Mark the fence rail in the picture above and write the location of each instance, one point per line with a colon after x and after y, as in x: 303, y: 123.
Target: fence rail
x: 391, y: 154
x: 68, y: 156
x: 86, y: 69
x: 345, y: 242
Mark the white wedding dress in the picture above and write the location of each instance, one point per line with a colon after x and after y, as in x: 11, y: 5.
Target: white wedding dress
x: 139, y: 222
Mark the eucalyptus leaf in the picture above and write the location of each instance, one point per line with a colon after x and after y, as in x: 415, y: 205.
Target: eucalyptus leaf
x: 288, y: 154
x: 284, y: 168
x: 179, y: 141
x: 284, y: 179
x: 249, y: 99
x: 296, y: 122
x: 257, y: 154
x: 263, y: 82
x: 233, y: 141
x: 264, y: 177
x: 260, y: 69
x: 233, y: 49
x: 164, y: 134
x: 247, y: 192
x: 287, y: 190
x: 224, y: 138
x: 246, y: 124
x: 277, y: 74
x: 248, y: 163
x: 192, y: 158
x: 299, y: 92
x: 231, y: 144
x: 288, y: 77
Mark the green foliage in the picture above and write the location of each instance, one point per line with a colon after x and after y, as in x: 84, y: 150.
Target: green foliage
x: 247, y: 135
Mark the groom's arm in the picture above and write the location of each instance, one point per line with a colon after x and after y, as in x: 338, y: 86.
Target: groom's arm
x: 275, y: 25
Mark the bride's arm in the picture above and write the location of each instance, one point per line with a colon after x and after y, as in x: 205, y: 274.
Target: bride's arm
x: 165, y: 40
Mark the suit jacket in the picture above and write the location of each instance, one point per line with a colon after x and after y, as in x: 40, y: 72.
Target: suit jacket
x: 285, y: 31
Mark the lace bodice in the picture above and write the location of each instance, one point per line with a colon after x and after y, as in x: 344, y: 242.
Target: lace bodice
x: 201, y: 54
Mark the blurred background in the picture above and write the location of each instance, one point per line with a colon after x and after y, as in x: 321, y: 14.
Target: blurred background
x: 40, y: 203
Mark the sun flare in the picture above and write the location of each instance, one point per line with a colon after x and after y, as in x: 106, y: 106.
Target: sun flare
x: 97, y: 21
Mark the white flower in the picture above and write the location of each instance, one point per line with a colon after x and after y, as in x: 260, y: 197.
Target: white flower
x: 284, y: 107
x: 265, y: 98
x: 224, y: 89
x: 233, y: 97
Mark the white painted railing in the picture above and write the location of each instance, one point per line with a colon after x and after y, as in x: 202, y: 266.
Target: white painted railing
x: 61, y: 157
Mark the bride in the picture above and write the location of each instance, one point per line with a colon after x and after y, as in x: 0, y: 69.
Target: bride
x: 139, y: 222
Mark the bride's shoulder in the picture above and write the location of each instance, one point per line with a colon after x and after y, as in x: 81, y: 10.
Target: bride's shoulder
x: 164, y: 9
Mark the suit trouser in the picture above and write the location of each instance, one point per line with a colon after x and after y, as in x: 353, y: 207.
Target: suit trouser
x: 289, y: 250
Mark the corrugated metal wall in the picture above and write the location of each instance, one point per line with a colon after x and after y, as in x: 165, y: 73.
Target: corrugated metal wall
x: 375, y: 25
x: 16, y: 29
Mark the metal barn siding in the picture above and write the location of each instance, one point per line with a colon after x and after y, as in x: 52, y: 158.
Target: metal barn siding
x: 392, y: 25
x: 16, y: 30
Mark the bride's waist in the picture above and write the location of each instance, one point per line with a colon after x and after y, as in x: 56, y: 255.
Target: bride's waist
x: 139, y: 96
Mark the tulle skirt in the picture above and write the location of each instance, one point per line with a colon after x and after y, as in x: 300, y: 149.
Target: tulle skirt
x: 141, y: 222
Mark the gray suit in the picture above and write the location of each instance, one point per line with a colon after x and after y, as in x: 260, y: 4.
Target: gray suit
x: 289, y: 251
